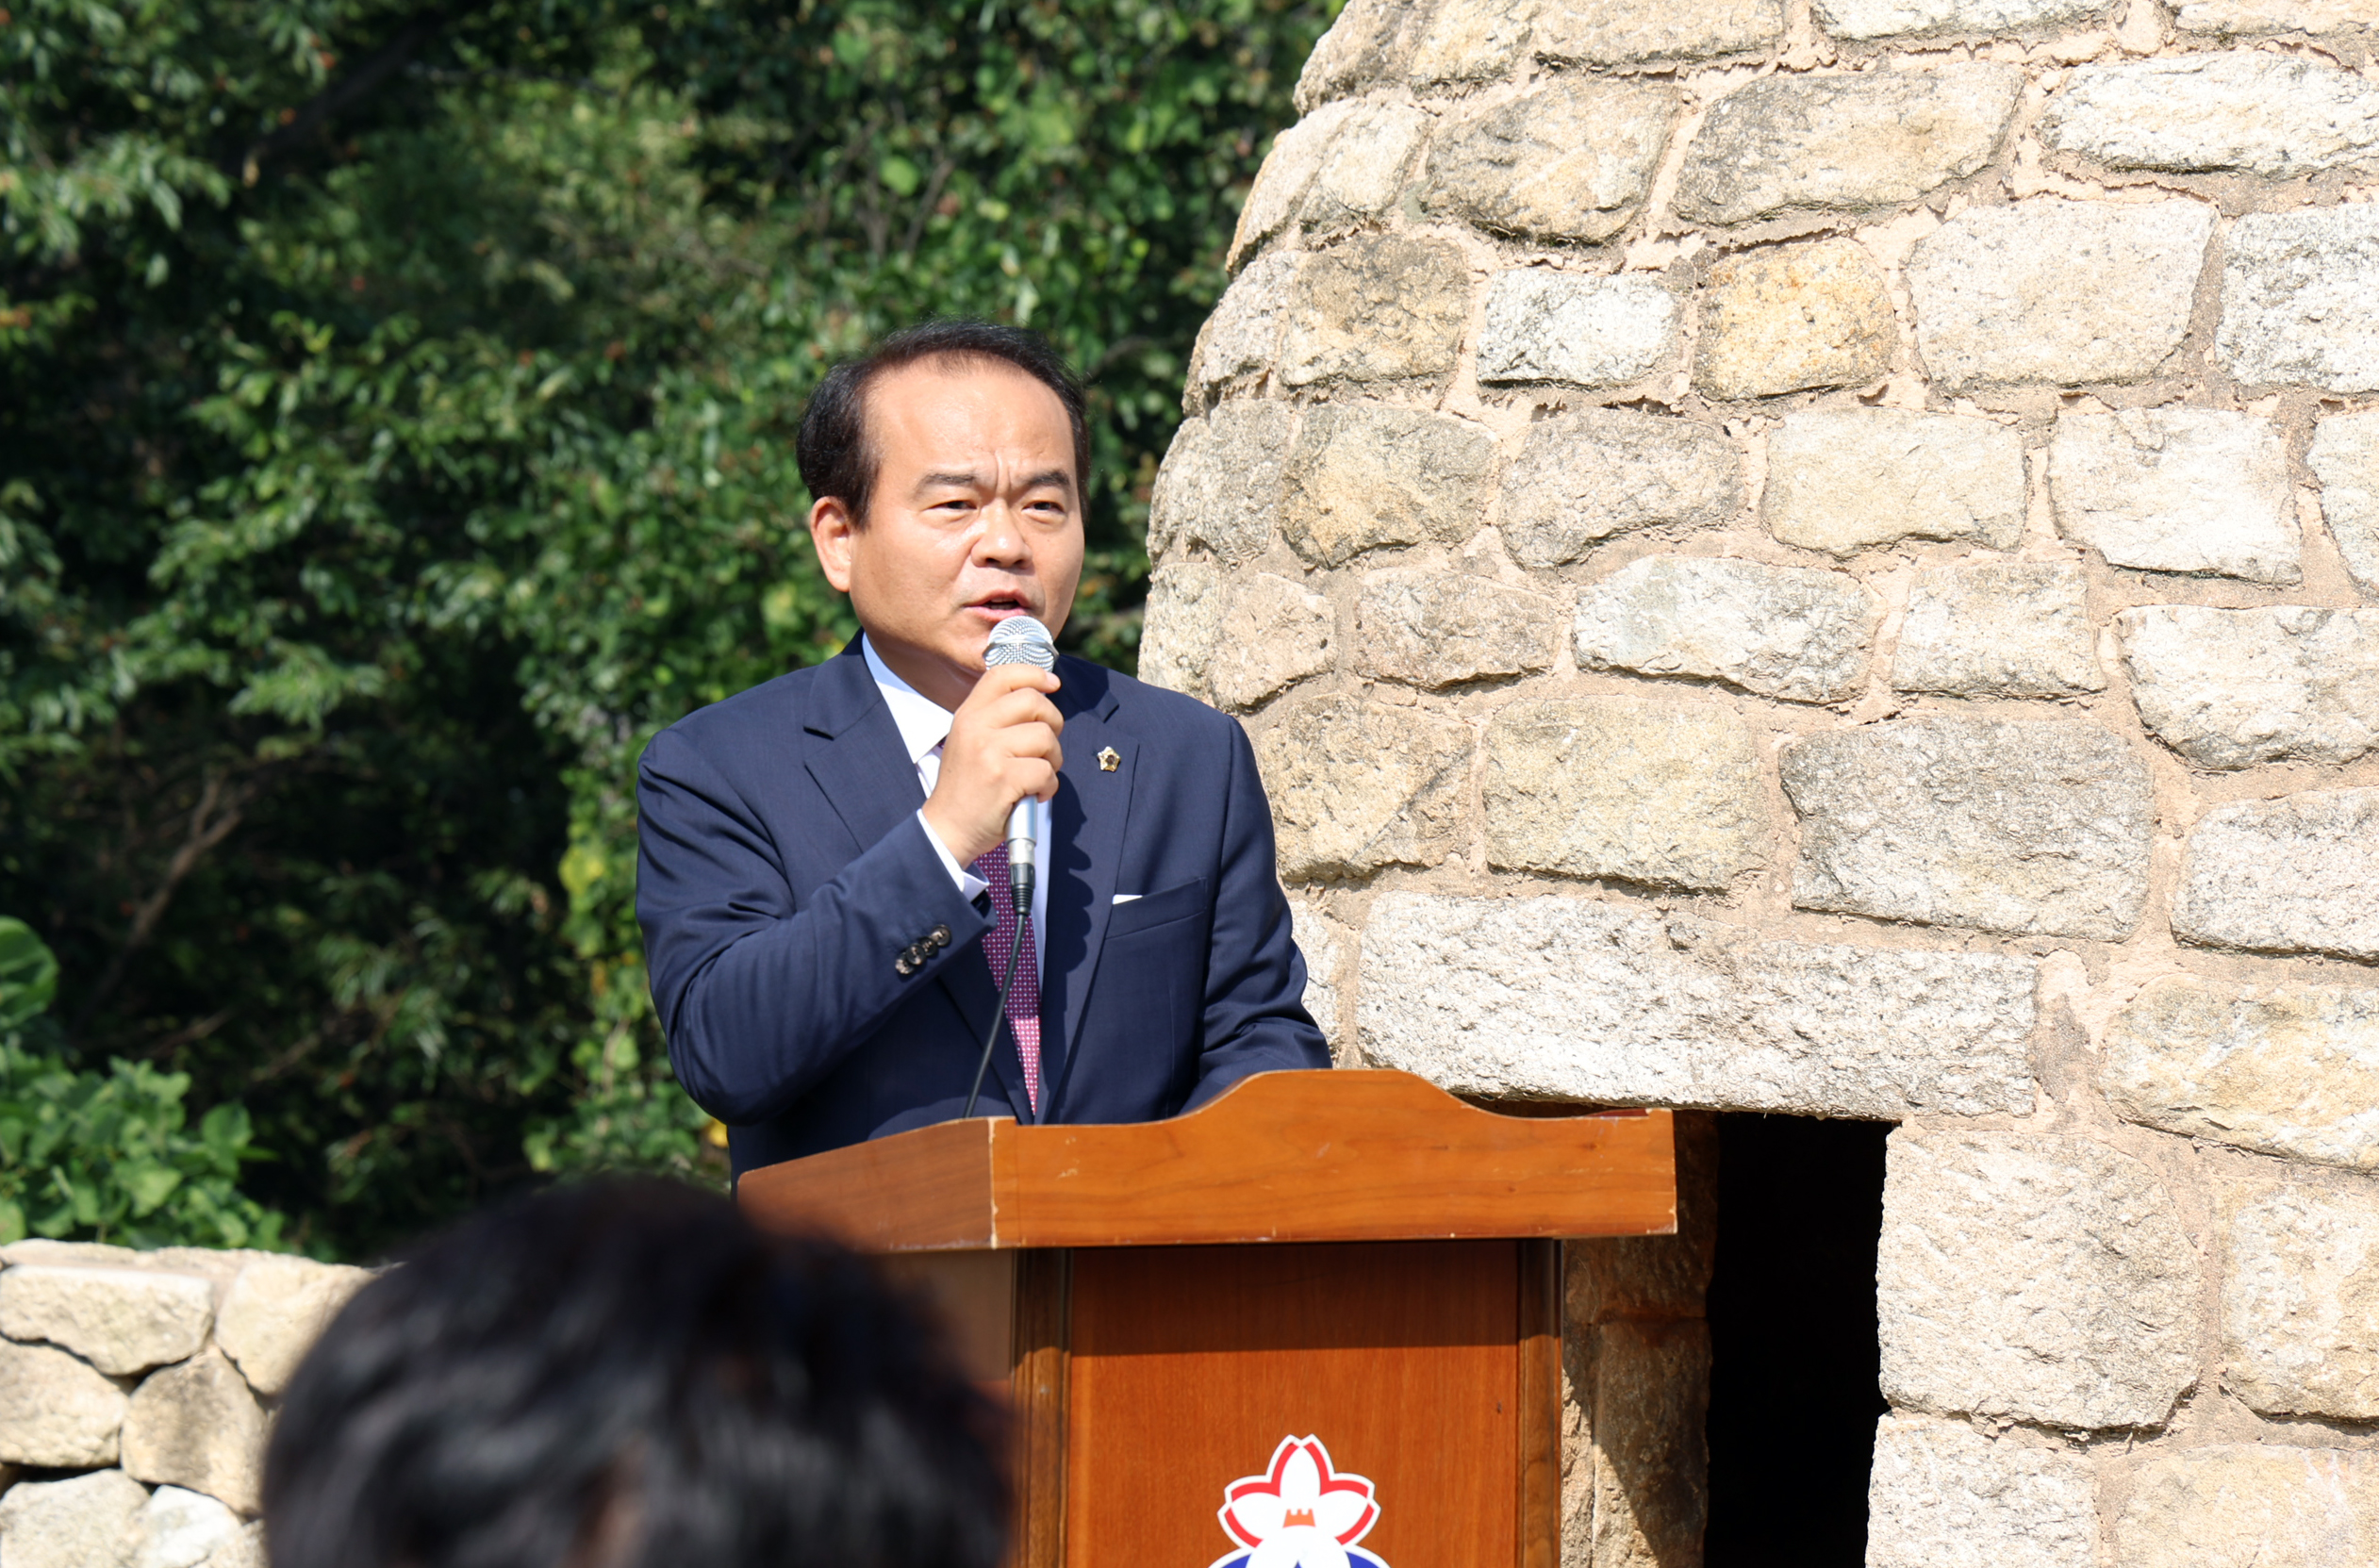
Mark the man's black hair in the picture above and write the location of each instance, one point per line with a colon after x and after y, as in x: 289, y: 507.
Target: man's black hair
x: 838, y: 456
x: 625, y: 1375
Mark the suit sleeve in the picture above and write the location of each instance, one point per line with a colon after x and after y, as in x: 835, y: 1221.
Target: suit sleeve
x: 760, y: 998
x: 1255, y: 1017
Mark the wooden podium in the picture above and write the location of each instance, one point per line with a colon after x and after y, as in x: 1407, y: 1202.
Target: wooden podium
x: 1355, y: 1257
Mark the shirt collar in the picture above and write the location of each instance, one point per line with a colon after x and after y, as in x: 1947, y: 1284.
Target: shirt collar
x: 923, y: 722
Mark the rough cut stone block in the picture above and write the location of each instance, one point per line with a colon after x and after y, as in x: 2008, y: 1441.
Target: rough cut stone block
x: 1613, y: 1003
x: 2056, y: 293
x: 1651, y: 1398
x: 1861, y: 18
x: 41, y: 1250
x: 1362, y: 173
x: 1287, y: 173
x: 2027, y: 828
x: 83, y: 1522
x: 2038, y: 1278
x: 2251, y: 1505
x: 1364, y: 475
x: 1376, y: 309
x: 2345, y: 458
x: 54, y: 1410
x: 1185, y: 617
x: 1570, y: 160
x: 2242, y: 17
x: 244, y: 1550
x: 1588, y: 331
x: 1471, y: 41
x: 1662, y: 797
x: 1578, y: 1446
x: 274, y: 1313
x: 1999, y: 629
x: 2297, y: 289
x: 1843, y: 143
x: 1656, y: 1285
x: 122, y: 1321
x: 1367, y: 44
x: 178, y: 1528
x: 2177, y: 489
x: 1319, y: 940
x: 2228, y: 688
x: 2298, y: 874
x: 1585, y: 476
x: 1241, y: 341
x: 2253, y: 113
x: 1849, y: 479
x: 1943, y: 1496
x: 1356, y: 785
x: 1435, y: 629
x: 1220, y: 484
x: 2291, y: 1070
x: 1644, y: 1279
x: 197, y: 1425
x: 218, y: 1265
x: 1785, y: 317
x: 2299, y: 1293
x: 1622, y: 32
x: 1274, y: 634
x: 1777, y: 630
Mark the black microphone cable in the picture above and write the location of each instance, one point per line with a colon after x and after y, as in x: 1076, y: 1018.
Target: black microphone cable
x: 1020, y: 889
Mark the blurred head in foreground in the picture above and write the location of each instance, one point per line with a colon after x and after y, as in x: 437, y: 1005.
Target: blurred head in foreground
x: 622, y: 1375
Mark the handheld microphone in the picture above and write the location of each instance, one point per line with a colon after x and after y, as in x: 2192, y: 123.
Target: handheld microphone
x: 1022, y: 639
x: 1019, y: 639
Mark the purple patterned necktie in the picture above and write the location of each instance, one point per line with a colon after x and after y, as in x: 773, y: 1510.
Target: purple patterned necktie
x: 1024, y: 997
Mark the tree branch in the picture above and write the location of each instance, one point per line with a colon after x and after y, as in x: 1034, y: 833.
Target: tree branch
x: 1114, y: 355
x: 157, y: 1050
x: 218, y: 813
x: 358, y: 84
x: 941, y: 171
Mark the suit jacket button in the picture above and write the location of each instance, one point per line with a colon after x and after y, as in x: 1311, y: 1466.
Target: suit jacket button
x: 941, y: 936
x: 905, y: 966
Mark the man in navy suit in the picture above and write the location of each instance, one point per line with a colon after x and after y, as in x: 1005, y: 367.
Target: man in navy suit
x: 823, y: 884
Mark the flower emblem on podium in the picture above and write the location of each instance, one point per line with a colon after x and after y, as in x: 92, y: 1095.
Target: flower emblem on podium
x: 1299, y: 1513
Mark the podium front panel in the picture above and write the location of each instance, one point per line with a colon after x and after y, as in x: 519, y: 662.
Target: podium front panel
x: 1409, y: 1363
x: 1328, y: 1300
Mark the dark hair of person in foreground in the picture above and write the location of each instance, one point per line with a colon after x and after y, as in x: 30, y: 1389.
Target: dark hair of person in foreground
x: 835, y: 455
x: 622, y: 1375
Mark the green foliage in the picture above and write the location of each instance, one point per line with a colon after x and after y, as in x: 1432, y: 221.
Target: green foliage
x: 103, y: 1156
x: 395, y: 431
x: 29, y: 976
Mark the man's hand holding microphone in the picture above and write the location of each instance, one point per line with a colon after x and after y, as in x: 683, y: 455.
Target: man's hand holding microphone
x: 1002, y: 751
x: 999, y: 773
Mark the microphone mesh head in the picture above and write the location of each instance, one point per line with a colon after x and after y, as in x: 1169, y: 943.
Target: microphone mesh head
x: 1022, y: 639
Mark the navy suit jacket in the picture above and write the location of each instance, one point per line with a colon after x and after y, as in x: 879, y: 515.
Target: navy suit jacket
x: 784, y: 871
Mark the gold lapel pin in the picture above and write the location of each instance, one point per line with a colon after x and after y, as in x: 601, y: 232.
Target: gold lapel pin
x: 1108, y: 761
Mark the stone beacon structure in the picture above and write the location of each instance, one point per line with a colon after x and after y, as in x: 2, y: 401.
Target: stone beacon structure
x: 1822, y: 556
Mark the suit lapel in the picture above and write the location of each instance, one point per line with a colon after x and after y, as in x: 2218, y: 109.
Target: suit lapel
x: 855, y: 753
x: 852, y: 751
x: 1087, y: 823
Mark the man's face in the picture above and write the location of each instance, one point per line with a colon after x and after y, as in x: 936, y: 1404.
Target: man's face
x: 976, y: 516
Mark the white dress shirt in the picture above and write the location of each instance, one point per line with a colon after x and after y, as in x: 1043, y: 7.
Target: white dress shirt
x: 924, y: 725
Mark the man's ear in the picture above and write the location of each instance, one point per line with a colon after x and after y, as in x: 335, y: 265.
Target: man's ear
x: 832, y: 528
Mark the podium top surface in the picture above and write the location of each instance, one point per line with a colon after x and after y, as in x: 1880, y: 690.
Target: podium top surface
x: 1346, y: 1155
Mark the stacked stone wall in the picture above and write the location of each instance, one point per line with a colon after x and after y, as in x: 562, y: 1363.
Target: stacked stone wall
x: 136, y: 1391
x: 1823, y: 556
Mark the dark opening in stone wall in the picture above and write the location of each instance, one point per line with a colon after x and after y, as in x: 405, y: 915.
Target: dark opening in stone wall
x: 1792, y: 1398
